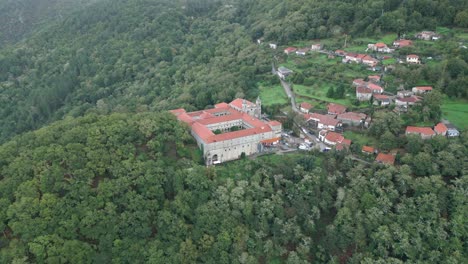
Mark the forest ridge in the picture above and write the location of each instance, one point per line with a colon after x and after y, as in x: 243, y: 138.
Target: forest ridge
x: 93, y: 169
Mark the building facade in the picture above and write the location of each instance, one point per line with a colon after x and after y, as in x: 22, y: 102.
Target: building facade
x: 229, y: 131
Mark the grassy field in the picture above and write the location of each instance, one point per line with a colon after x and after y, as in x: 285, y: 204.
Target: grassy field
x: 361, y: 139
x: 456, y: 112
x: 271, y: 95
x: 319, y: 91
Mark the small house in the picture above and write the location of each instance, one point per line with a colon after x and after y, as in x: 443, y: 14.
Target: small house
x: 290, y: 50
x: 316, y: 47
x: 382, y: 100
x: 305, y: 107
x: 421, y: 89
x: 352, y: 118
x: 385, y: 159
x: 363, y: 93
x: 401, y: 43
x: 273, y: 46
x: 368, y: 150
x: 423, y: 132
x: 440, y: 129
x: 412, y: 59
x: 302, y: 52
x: 283, y: 72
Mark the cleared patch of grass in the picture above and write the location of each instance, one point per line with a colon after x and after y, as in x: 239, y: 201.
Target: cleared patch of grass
x: 456, y: 111
x: 360, y: 139
x: 318, y: 91
x: 271, y: 95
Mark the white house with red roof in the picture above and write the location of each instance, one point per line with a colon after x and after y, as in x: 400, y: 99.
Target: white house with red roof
x: 412, y: 59
x: 381, y: 99
x: 401, y: 43
x: 333, y: 138
x: 423, y: 132
x: 290, y: 50
x: 380, y: 47
x: 302, y: 52
x: 422, y: 89
x: 385, y: 159
x: 441, y: 129
x: 374, y: 78
x: 352, y: 118
x: 229, y: 130
x: 323, y: 121
x: 363, y: 93
x: 407, y: 101
x: 316, y: 47
x: 305, y: 107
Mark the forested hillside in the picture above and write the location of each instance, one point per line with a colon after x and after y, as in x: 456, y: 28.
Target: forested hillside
x: 122, y: 189
x: 20, y: 18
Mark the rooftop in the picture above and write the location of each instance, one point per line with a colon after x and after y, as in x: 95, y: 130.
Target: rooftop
x: 385, y: 158
x: 420, y: 130
x: 336, y: 108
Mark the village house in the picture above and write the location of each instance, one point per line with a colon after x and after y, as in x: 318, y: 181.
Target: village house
x: 427, y: 35
x: 273, y: 46
x: 302, y: 52
x: 404, y: 93
x: 380, y: 47
x: 401, y: 43
x: 363, y: 93
x: 305, y: 107
x: 440, y: 129
x: 369, y: 61
x: 421, y: 89
x: 354, y: 57
x: 335, y: 109
x: 323, y: 121
x: 333, y: 138
x: 368, y: 150
x: 359, y: 82
x: 423, y: 132
x: 452, y: 132
x: 316, y: 47
x: 290, y: 50
x: 385, y: 159
x: 407, y: 101
x: 250, y: 135
x: 283, y: 72
x: 381, y: 100
x: 412, y: 59
x: 352, y: 118
x: 376, y: 89
x: 340, y: 53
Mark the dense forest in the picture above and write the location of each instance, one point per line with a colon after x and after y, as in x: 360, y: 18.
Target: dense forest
x: 126, y: 188
x: 93, y: 170
x: 130, y: 56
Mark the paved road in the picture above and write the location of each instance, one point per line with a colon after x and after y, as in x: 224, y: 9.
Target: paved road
x: 317, y: 143
x: 290, y: 94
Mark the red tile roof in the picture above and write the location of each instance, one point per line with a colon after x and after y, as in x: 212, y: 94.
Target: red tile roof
x: 424, y: 88
x: 323, y: 119
x: 238, y: 103
x: 420, y: 130
x: 374, y: 87
x: 412, y: 56
x: 381, y: 97
x: 440, y: 128
x: 305, y: 105
x: 352, y: 116
x: 359, y: 82
x: 403, y: 43
x: 367, y: 149
x: 221, y: 105
x: 411, y: 99
x: 363, y: 90
x: 385, y: 158
x: 274, y: 123
x: 336, y: 108
x: 380, y: 45
x: 346, y: 142
x: 290, y: 49
x: 334, y: 137
x: 374, y: 77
